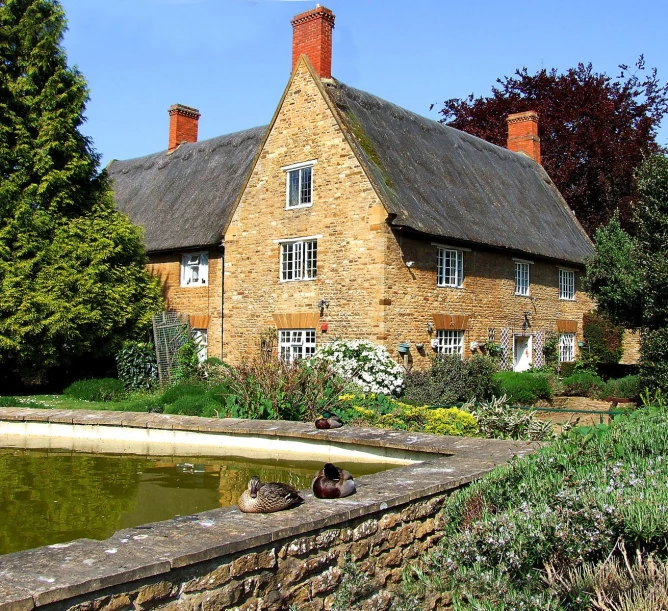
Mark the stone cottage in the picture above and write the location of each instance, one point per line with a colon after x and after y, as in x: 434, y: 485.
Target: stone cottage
x: 348, y: 216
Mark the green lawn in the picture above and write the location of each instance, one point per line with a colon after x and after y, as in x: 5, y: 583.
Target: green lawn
x: 62, y: 402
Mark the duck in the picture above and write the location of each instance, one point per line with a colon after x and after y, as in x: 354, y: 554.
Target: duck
x: 269, y: 497
x: 328, y: 421
x: 331, y: 482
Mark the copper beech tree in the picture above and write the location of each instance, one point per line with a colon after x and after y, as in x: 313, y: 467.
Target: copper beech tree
x: 594, y: 130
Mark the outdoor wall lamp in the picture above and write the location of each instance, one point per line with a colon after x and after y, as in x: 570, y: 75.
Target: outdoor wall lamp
x: 526, y: 323
x: 430, y: 328
x: 322, y: 304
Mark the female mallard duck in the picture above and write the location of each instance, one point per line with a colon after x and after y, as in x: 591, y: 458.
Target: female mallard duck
x: 267, y: 498
x: 332, y: 483
x: 328, y: 421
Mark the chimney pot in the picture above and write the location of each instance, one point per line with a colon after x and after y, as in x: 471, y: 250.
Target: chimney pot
x: 312, y: 36
x: 183, y: 125
x: 523, y: 134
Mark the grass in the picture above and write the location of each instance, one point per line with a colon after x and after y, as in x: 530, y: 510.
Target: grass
x: 63, y: 402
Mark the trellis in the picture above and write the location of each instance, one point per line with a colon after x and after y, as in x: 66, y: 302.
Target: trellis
x: 170, y: 332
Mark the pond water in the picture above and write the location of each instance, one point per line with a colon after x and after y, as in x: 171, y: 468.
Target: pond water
x: 54, y: 496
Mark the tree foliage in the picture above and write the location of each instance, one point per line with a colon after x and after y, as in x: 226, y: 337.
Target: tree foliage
x: 613, y: 275
x: 629, y: 275
x: 594, y: 130
x: 72, y: 274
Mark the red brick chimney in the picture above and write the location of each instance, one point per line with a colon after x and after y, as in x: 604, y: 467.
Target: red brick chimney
x: 312, y: 36
x: 523, y: 134
x: 183, y: 122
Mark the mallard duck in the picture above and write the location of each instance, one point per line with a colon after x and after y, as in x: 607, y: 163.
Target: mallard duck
x: 332, y: 483
x: 328, y: 421
x: 267, y: 498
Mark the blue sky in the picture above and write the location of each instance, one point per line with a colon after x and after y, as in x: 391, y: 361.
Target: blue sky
x: 231, y: 58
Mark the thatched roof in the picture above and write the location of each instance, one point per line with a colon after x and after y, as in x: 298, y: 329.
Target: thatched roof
x: 183, y: 199
x: 443, y: 182
x: 432, y: 179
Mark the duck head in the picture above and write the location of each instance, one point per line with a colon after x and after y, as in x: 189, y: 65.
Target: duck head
x: 254, y: 485
x: 331, y: 472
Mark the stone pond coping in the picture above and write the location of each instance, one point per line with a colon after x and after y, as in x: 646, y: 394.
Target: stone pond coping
x: 60, y: 572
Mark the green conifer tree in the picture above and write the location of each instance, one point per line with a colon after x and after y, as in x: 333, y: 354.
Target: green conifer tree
x: 72, y: 276
x: 628, y: 276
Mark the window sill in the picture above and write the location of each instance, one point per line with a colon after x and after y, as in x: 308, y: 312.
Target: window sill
x: 298, y: 280
x: 449, y: 286
x: 566, y: 299
x: 522, y: 295
x: 194, y: 286
x: 299, y: 207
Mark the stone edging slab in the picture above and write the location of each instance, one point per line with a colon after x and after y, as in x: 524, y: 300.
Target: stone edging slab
x: 54, y: 573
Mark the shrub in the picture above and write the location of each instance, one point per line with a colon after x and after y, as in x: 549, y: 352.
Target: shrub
x: 183, y: 389
x: 582, y: 385
x: 580, y: 500
x: 270, y: 388
x: 137, y: 365
x: 192, y: 405
x: 187, y: 362
x: 385, y: 412
x: 524, y: 388
x: 603, y: 339
x: 498, y: 421
x: 451, y: 379
x: 99, y: 389
x: 368, y: 365
x: 626, y: 388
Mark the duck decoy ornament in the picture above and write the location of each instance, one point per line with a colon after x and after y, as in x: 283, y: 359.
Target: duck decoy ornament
x: 332, y: 483
x: 267, y: 498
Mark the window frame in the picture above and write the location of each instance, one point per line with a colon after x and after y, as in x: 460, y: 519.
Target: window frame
x: 303, y: 259
x: 298, y: 168
x: 569, y: 285
x: 443, y: 252
x: 201, y: 338
x: 450, y: 341
x: 566, y: 342
x: 297, y: 339
x: 527, y: 266
x: 187, y: 266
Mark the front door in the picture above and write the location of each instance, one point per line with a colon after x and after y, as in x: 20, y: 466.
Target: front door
x: 522, y: 352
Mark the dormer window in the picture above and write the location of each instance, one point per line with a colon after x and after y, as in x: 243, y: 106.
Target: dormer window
x: 299, y: 185
x: 195, y: 269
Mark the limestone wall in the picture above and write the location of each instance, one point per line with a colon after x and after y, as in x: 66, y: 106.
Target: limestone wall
x: 346, y: 214
x: 303, y: 571
x: 487, y: 296
x: 199, y: 301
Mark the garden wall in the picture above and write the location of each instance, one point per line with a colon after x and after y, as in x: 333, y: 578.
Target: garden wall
x: 223, y: 559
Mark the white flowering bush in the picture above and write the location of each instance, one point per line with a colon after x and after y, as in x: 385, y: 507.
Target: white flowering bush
x: 364, y: 363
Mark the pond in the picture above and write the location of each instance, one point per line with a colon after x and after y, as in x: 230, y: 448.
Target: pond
x: 55, y: 496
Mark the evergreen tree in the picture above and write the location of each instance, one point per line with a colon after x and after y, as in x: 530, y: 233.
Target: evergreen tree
x: 629, y: 275
x: 72, y: 277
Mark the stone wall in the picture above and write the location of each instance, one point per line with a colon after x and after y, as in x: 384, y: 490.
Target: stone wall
x: 196, y: 301
x: 225, y: 559
x: 303, y: 571
x: 631, y: 348
x: 487, y: 296
x: 346, y: 214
